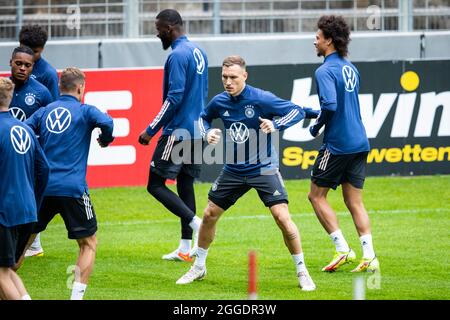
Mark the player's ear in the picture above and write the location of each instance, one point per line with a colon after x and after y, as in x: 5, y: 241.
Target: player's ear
x: 329, y: 41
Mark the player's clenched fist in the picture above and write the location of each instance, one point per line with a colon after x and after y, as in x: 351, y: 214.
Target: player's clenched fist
x: 266, y: 125
x: 213, y: 136
x: 144, y: 138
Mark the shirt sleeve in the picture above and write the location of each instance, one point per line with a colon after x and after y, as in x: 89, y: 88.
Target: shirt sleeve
x: 35, y: 119
x: 41, y: 173
x: 206, y: 118
x: 326, y: 89
x: 283, y: 113
x: 47, y: 98
x: 177, y: 65
x: 98, y: 119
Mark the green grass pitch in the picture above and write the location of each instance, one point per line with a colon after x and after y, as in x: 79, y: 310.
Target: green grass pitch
x: 410, y: 225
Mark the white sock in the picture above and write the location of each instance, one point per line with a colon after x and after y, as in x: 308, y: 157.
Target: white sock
x: 200, y: 261
x: 26, y: 297
x: 367, y: 246
x: 36, y: 245
x: 339, y: 241
x: 299, y: 262
x: 195, y: 223
x: 185, y: 245
x: 78, y: 291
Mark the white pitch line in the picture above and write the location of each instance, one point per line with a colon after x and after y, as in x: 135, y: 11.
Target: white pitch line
x: 264, y: 216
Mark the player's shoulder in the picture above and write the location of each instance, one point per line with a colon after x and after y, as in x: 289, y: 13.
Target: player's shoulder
x: 47, y: 68
x: 36, y: 85
x: 87, y: 107
x: 178, y: 55
x: 323, y: 70
x: 46, y: 64
x: 220, y: 97
x: 195, y: 46
x: 350, y: 64
x: 258, y: 94
x: 13, y: 122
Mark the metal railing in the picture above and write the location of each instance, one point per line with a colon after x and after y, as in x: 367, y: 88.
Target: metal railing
x: 136, y: 18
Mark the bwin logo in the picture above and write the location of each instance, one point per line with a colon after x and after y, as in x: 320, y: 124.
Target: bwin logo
x: 199, y: 60
x: 58, y: 120
x: 350, y: 78
x: 239, y: 132
x: 20, y: 139
x: 18, y: 113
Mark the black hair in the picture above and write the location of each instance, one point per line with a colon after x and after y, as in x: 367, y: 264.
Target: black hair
x: 33, y: 36
x: 171, y: 17
x: 22, y: 49
x: 337, y: 29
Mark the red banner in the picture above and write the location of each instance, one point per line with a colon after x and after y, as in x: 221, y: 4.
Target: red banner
x: 132, y: 97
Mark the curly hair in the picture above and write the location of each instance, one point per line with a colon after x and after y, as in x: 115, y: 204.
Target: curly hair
x: 337, y: 29
x: 33, y: 36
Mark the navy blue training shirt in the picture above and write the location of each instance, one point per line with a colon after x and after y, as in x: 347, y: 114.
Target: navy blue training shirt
x: 64, y: 128
x: 253, y: 152
x: 23, y: 172
x: 185, y: 89
x: 338, y: 81
x: 28, y: 98
x: 47, y: 75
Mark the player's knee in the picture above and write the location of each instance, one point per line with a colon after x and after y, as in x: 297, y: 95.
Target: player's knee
x: 151, y: 189
x: 348, y: 202
x: 314, y: 197
x: 283, y: 220
x: 89, y: 243
x: 209, y: 216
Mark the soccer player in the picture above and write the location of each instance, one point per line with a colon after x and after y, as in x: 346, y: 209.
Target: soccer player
x: 36, y: 37
x: 249, y: 115
x: 29, y: 94
x: 64, y: 128
x: 24, y: 171
x: 184, y: 95
x: 342, y: 157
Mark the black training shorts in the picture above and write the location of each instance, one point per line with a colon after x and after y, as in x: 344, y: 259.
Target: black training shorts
x: 229, y: 187
x: 170, y: 157
x: 13, y: 241
x: 77, y: 213
x: 331, y: 170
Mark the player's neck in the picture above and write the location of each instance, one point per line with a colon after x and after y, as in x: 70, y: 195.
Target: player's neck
x: 17, y: 82
x: 177, y: 35
x: 72, y: 94
x: 330, y: 51
x: 238, y: 93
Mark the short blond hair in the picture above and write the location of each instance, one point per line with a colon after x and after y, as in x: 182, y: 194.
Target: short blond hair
x: 6, y: 92
x: 70, y: 78
x: 234, y: 60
